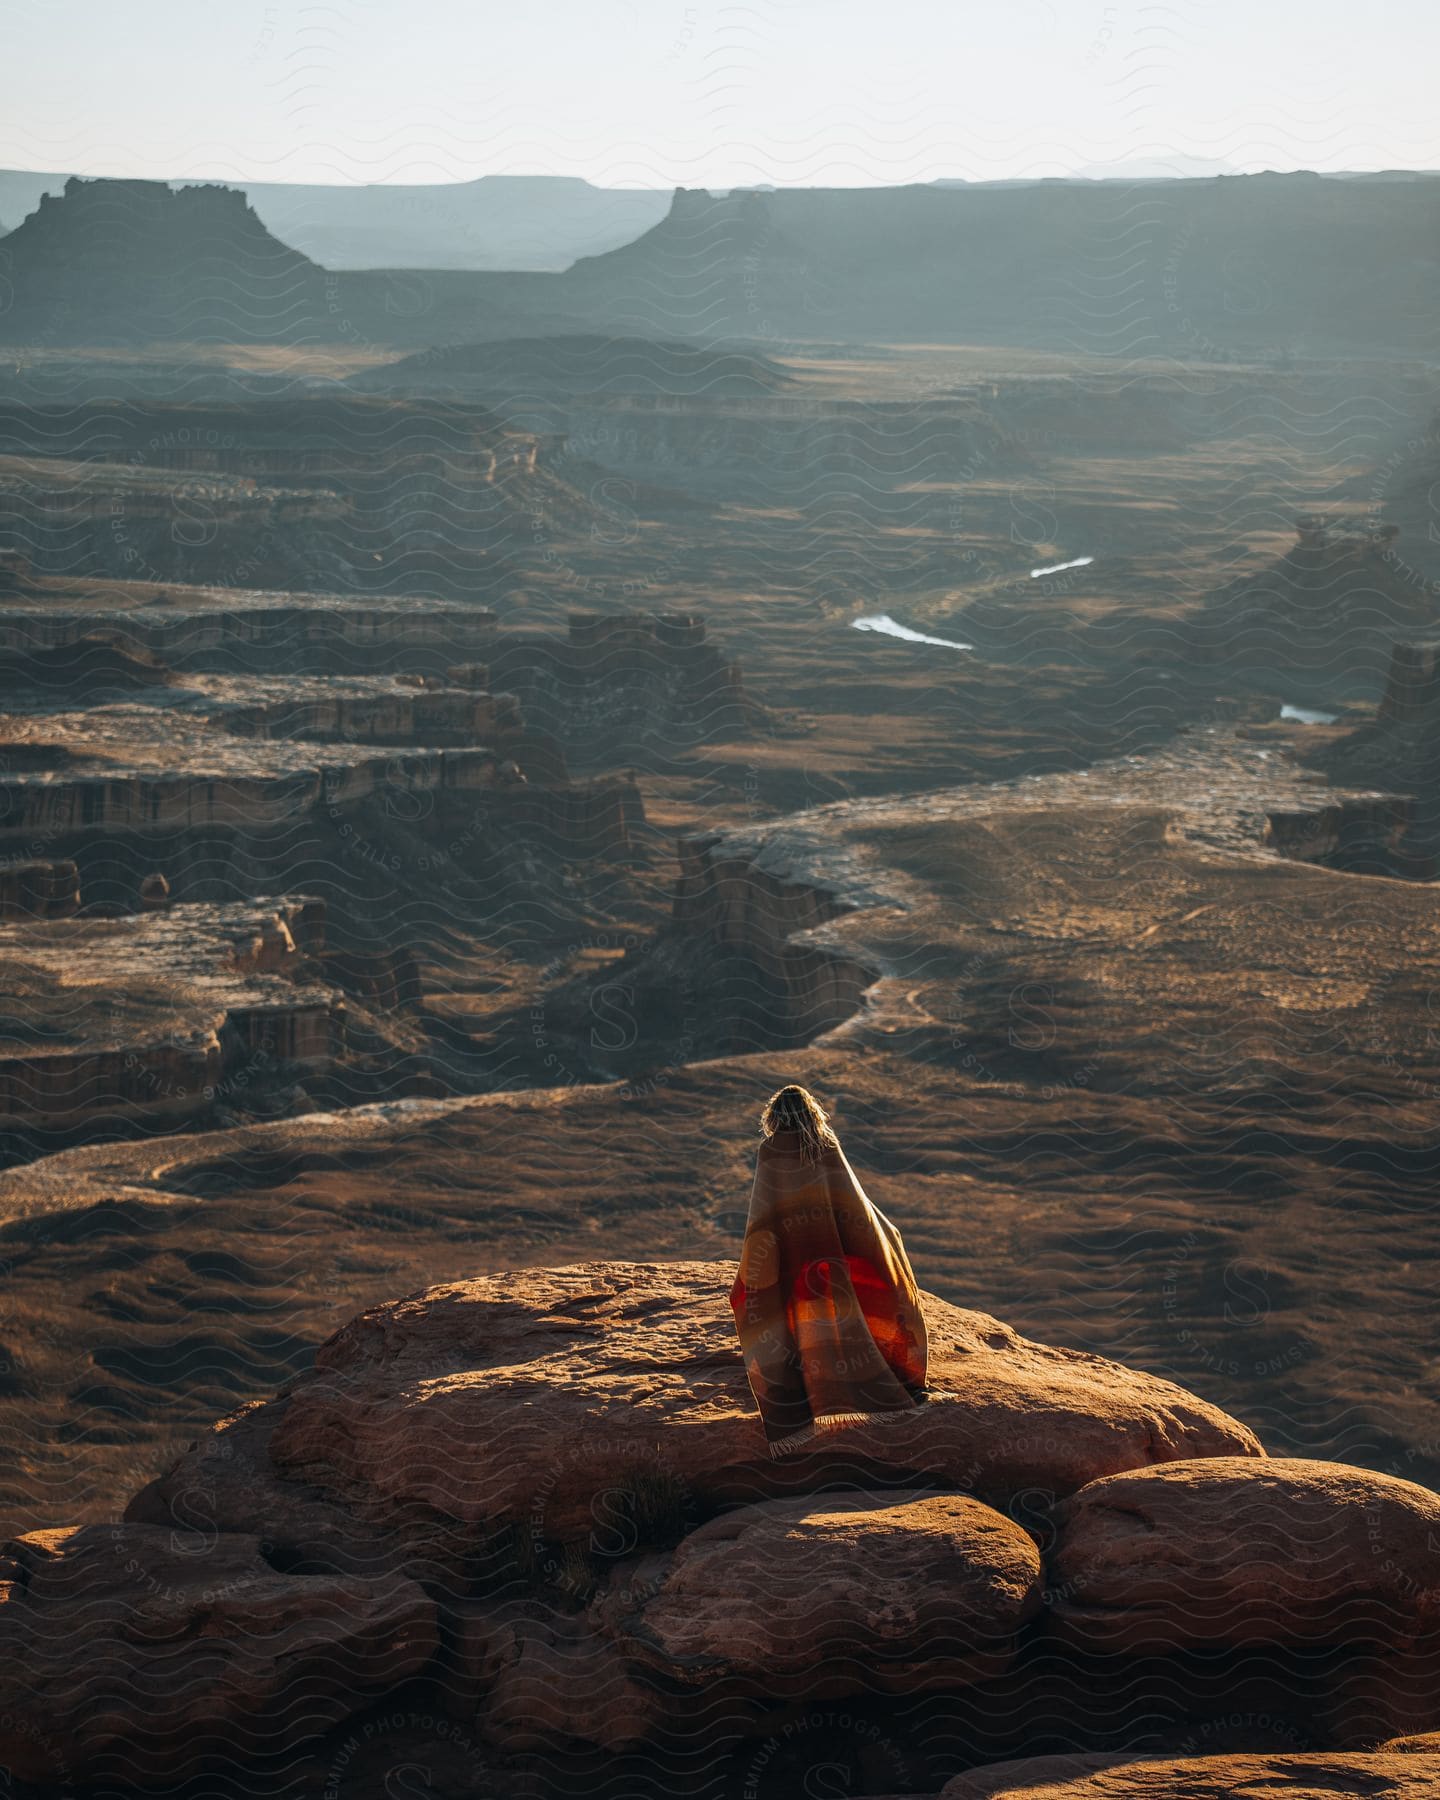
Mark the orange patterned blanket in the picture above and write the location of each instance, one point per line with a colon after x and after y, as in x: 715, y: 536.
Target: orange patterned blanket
x: 825, y: 1302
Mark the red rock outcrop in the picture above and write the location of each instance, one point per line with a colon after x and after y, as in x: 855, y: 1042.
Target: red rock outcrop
x: 138, y: 1654
x: 1306, y: 1777
x: 823, y: 1596
x: 1223, y: 1551
x: 525, y: 1397
x: 570, y: 1463
x: 537, y: 1675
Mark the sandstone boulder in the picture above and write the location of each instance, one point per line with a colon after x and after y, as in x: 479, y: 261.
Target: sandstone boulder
x: 139, y: 1653
x: 816, y: 1597
x: 538, y: 1676
x: 1232, y: 1551
x: 226, y: 1482
x: 560, y: 1401
x: 1316, y: 1775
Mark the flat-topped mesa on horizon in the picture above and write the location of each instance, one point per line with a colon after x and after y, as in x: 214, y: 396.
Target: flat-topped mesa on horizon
x: 543, y: 1501
x: 113, y: 261
x: 492, y: 222
x: 923, y: 264
x: 122, y: 262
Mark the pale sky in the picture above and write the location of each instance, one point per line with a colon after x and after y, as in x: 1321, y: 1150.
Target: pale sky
x: 659, y: 93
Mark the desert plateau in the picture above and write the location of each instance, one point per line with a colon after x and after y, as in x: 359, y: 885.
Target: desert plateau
x: 498, y: 677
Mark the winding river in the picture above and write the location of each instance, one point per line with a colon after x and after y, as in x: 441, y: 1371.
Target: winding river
x: 893, y: 628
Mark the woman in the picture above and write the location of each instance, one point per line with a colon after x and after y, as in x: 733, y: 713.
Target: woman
x: 825, y: 1302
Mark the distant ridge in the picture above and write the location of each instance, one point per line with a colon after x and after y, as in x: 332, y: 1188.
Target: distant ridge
x: 1218, y: 269
x: 586, y: 362
x: 1274, y: 269
x: 495, y: 222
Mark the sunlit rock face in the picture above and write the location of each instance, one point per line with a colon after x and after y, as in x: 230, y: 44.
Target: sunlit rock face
x: 541, y: 1506
x: 144, y: 1018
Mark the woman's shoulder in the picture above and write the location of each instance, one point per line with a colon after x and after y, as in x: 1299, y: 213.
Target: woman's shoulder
x: 786, y: 1146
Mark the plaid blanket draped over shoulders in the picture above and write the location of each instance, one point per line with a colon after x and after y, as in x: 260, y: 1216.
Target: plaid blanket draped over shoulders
x: 825, y: 1302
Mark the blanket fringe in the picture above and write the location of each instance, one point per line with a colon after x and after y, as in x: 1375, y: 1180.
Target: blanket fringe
x: 828, y: 1422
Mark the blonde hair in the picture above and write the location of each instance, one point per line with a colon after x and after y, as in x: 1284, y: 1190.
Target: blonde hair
x: 796, y: 1109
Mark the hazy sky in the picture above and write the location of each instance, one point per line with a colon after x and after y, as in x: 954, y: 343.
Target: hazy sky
x: 652, y: 93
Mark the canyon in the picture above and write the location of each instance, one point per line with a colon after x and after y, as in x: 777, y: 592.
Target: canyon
x: 443, y: 791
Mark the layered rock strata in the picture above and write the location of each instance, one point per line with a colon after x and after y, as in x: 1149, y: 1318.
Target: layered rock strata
x: 161, y: 770
x: 254, y: 629
x: 147, y: 1017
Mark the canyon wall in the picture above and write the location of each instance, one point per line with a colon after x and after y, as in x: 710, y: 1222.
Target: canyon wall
x: 1400, y: 747
x: 115, y: 1022
x: 747, y: 927
x: 1349, y: 833
x: 56, y: 806
x: 444, y: 717
x: 1332, y: 608
x: 1412, y: 688
x: 38, y: 890
x: 260, y: 632
x: 621, y: 679
x: 328, y: 491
